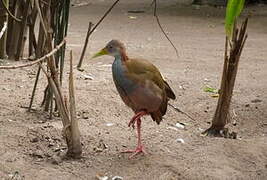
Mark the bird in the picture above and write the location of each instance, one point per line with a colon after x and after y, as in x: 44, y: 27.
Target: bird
x: 140, y: 86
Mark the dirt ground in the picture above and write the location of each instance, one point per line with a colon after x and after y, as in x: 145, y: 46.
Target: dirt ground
x: 31, y: 144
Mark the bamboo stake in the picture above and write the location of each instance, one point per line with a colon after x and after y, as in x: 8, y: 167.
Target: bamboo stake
x: 32, y: 38
x: 22, y: 32
x: 76, y: 149
x: 16, y: 27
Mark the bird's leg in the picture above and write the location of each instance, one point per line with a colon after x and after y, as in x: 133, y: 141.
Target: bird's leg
x: 140, y: 147
x: 136, y: 116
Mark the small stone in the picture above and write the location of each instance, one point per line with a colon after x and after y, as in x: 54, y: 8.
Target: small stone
x: 34, y: 140
x: 88, y: 77
x: 117, y: 178
x: 132, y: 17
x: 182, y: 87
x: 50, y: 144
x: 180, y: 140
x: 206, y: 80
x: 173, y: 128
x: 56, y: 160
x: 99, y: 177
x: 179, y: 125
x: 96, y: 149
x: 5, y: 89
x: 38, y: 154
x: 234, y: 123
x: 109, y: 124
x: 256, y: 100
x: 85, y: 116
x: 106, y: 65
x: 80, y: 69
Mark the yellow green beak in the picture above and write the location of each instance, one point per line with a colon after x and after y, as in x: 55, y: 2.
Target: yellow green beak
x: 101, y: 53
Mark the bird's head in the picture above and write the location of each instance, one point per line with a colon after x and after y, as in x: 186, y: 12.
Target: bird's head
x: 113, y: 48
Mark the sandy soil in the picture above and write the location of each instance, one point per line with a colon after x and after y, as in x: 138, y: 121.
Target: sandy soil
x: 31, y: 144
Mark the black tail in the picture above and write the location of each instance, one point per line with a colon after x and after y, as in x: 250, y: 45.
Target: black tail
x: 169, y: 91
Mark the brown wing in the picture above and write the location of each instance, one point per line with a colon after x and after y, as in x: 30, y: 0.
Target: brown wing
x: 141, y: 70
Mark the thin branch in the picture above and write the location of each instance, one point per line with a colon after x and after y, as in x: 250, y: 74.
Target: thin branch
x: 91, y: 30
x: 85, y: 46
x: 34, y: 88
x: 161, y: 28
x: 3, y: 30
x: 180, y: 111
x: 38, y: 60
x: 8, y: 12
x: 108, y: 11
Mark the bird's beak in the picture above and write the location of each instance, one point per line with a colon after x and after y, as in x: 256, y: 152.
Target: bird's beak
x: 101, y: 53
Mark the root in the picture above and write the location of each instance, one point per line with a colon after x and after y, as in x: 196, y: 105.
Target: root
x: 220, y: 132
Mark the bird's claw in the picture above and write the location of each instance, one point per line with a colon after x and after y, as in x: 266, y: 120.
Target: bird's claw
x: 131, y: 123
x: 139, y: 149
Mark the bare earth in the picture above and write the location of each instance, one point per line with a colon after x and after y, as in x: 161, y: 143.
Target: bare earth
x: 31, y: 144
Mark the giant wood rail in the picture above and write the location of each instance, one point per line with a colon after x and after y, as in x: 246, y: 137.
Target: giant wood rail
x: 140, y: 86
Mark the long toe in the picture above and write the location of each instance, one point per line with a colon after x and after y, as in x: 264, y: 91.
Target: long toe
x: 138, y: 150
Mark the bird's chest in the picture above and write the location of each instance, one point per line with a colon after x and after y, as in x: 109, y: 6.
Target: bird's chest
x: 122, y: 82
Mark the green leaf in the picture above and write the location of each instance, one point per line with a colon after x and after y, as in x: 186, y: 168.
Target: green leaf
x: 233, y: 10
x: 210, y: 89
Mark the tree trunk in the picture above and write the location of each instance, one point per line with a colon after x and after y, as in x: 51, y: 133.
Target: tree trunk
x: 221, y: 117
x: 3, y: 19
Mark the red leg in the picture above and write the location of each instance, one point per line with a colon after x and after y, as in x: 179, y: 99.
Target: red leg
x: 136, y: 116
x: 140, y: 147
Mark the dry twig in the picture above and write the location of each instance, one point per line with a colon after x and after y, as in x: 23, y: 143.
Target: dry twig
x: 38, y: 60
x: 103, y: 17
x: 90, y: 31
x: 161, y: 28
x: 180, y: 111
x: 8, y: 12
x: 85, y: 46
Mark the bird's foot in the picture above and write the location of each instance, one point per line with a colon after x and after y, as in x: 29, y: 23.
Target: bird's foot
x: 139, y: 149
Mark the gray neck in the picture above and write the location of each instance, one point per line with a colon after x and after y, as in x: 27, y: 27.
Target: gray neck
x: 119, y: 76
